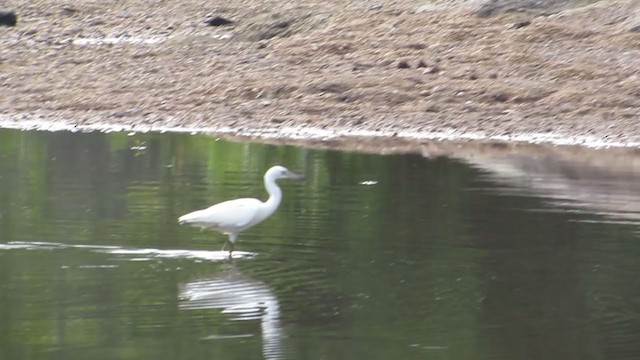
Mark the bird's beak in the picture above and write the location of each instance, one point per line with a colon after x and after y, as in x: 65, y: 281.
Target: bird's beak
x: 295, y: 176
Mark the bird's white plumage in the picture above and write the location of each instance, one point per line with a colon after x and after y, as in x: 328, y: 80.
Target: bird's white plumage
x: 229, y: 216
x: 233, y: 216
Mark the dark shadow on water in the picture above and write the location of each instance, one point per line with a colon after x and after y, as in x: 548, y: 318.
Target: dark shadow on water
x: 607, y: 185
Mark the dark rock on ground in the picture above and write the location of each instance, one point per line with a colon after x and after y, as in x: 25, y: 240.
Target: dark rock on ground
x: 68, y: 11
x: 8, y: 18
x: 521, y: 24
x: 218, y: 21
x: 403, y: 64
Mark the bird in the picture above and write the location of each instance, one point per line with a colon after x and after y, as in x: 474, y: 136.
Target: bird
x: 233, y: 216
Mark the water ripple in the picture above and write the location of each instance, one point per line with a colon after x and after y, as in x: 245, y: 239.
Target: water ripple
x: 131, y: 254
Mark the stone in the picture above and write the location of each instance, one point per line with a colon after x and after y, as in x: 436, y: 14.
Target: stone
x: 521, y: 24
x: 68, y: 11
x: 403, y: 64
x: 218, y: 21
x: 500, y: 97
x: 431, y: 70
x: 8, y: 18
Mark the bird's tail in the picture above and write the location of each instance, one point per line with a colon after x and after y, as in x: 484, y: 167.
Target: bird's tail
x: 185, y: 219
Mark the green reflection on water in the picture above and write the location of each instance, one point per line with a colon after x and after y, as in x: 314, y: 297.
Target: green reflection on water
x: 371, y: 257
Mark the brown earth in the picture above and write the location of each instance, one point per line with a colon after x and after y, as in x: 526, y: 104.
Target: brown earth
x: 394, y: 65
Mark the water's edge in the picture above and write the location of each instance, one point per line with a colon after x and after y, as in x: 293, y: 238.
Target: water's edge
x: 427, y: 143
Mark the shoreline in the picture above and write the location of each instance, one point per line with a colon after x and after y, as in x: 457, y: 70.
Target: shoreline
x: 431, y: 144
x: 302, y: 133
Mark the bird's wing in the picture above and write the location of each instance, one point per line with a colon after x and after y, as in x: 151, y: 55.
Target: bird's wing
x: 227, y: 215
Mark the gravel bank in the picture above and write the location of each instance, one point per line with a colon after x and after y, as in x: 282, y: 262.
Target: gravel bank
x: 407, y: 68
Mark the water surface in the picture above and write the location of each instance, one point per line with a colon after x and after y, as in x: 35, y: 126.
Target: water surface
x: 372, y: 257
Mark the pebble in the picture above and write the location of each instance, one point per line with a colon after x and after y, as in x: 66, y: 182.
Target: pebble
x: 218, y: 21
x: 403, y: 64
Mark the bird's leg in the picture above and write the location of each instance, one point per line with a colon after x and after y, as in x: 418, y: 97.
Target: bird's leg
x: 224, y: 245
x: 230, y: 258
x: 232, y: 239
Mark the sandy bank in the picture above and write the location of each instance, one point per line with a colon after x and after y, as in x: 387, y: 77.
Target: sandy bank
x: 406, y: 71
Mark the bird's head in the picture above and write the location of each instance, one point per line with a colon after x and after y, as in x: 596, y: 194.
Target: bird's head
x: 281, y: 172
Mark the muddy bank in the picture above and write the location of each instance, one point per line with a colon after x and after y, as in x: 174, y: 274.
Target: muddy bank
x: 406, y: 67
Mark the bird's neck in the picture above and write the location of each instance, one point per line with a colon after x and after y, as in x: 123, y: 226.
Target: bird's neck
x: 275, y: 194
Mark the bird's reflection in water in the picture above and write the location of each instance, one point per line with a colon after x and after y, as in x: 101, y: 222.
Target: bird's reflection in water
x: 243, y: 298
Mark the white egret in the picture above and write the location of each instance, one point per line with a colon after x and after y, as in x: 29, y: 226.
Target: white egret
x: 233, y: 216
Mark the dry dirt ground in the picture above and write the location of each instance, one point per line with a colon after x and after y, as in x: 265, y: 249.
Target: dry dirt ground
x: 388, y: 65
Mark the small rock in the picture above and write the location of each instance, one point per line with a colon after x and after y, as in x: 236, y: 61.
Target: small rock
x: 417, y: 46
x: 8, y: 18
x: 262, y: 44
x: 403, y: 64
x: 431, y: 70
x: 96, y: 22
x: 432, y: 108
x: 521, y: 24
x: 330, y: 87
x: 635, y: 29
x: 67, y: 11
x: 343, y: 98
x: 468, y: 105
x: 422, y: 64
x: 282, y: 24
x: 218, y: 21
x: 500, y: 96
